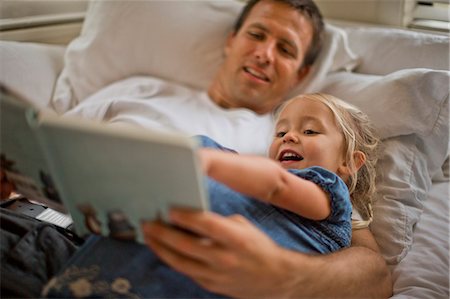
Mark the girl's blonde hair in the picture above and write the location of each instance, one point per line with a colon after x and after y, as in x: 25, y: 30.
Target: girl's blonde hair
x: 359, y: 135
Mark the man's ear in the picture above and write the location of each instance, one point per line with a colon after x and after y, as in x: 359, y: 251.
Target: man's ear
x: 359, y: 159
x: 302, y: 73
x: 229, y: 42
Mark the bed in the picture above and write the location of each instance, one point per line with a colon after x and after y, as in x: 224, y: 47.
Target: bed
x: 400, y: 78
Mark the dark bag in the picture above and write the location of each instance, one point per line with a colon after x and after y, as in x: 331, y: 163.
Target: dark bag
x: 31, y: 253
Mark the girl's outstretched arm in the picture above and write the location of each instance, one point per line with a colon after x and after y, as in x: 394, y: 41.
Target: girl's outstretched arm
x: 266, y: 180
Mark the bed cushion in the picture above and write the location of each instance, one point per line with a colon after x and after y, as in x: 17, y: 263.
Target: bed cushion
x: 180, y: 41
x: 30, y: 70
x: 424, y: 273
x: 410, y: 110
x: 382, y: 50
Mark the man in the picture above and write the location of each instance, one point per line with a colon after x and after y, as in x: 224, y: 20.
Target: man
x: 270, y: 51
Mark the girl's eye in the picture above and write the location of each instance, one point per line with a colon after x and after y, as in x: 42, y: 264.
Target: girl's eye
x: 280, y: 134
x: 310, y: 132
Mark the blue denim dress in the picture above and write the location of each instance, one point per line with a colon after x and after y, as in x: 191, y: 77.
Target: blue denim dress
x: 286, y: 228
x: 105, y: 267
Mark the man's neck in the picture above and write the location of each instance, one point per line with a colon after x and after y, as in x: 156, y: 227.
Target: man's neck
x: 216, y: 94
x: 220, y: 99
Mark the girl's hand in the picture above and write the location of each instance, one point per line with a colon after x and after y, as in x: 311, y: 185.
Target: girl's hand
x: 206, y: 156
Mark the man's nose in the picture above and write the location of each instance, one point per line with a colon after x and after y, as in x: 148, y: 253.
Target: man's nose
x: 265, y: 52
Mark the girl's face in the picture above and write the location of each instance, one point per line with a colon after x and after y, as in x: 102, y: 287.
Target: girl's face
x: 306, y: 134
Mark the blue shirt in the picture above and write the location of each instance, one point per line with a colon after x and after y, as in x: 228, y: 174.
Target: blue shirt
x: 288, y: 229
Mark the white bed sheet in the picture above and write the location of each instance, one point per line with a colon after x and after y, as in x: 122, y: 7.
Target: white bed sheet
x: 424, y: 272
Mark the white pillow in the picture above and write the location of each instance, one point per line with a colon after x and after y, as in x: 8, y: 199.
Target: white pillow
x: 179, y: 41
x: 386, y: 50
x: 30, y: 70
x: 410, y: 110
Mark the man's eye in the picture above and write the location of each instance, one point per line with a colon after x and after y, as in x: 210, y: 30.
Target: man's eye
x: 256, y: 35
x: 286, y: 51
x: 280, y: 134
x: 310, y: 132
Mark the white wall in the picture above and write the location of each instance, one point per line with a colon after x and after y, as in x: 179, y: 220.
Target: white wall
x: 49, y: 21
x: 57, y: 21
x: 386, y: 12
x: 26, y: 8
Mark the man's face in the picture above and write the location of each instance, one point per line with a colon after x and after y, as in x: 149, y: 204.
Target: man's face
x: 263, y: 58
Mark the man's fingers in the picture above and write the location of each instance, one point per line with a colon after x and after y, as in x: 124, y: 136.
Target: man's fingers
x: 226, y: 231
x: 191, y: 246
x: 191, y: 267
x: 210, y: 277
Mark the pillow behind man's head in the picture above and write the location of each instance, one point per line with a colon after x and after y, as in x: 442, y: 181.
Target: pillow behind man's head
x: 178, y: 41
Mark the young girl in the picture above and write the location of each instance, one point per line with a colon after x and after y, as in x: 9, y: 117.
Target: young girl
x: 322, y: 159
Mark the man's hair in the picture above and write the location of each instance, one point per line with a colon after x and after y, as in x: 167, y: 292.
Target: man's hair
x: 359, y: 135
x: 305, y: 7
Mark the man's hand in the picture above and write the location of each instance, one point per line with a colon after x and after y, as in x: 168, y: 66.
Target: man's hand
x: 6, y: 187
x: 230, y: 256
x: 226, y: 255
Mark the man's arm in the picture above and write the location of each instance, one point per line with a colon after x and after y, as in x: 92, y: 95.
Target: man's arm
x: 356, y: 272
x: 232, y: 257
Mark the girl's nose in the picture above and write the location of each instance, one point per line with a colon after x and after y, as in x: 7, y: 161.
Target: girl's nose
x: 290, y: 137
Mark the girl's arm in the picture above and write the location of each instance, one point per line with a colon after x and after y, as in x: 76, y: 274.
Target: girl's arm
x: 266, y: 180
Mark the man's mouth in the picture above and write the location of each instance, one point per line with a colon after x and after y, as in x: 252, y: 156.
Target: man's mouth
x: 257, y: 74
x: 289, y: 155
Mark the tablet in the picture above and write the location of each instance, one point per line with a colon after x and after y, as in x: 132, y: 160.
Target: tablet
x: 107, y: 177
